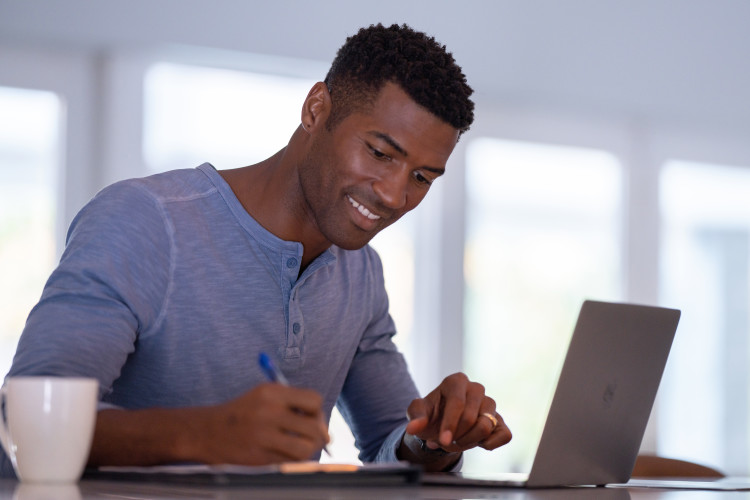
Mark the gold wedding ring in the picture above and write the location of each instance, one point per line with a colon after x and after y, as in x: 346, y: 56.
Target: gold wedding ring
x: 492, y: 418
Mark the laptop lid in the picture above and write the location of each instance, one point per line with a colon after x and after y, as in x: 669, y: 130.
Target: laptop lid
x: 604, y: 395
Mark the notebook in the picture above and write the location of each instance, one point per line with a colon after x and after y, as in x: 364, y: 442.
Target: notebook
x: 602, y: 402
x: 292, y: 474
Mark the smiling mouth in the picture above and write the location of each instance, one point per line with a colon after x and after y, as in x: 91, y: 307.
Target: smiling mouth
x: 362, y: 209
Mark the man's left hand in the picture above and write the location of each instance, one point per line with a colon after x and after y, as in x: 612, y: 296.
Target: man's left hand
x: 457, y: 416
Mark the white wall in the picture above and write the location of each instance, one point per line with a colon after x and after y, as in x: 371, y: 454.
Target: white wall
x: 664, y: 66
x: 677, y: 60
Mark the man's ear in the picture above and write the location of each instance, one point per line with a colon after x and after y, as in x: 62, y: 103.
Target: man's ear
x: 316, y: 108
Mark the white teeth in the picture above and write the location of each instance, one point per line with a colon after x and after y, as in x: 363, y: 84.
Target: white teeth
x: 361, y: 208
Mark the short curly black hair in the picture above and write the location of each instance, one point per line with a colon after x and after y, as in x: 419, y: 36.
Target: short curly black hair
x: 422, y: 67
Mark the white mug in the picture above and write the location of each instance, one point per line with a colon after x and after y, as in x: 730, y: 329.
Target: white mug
x: 47, y: 426
x: 36, y: 491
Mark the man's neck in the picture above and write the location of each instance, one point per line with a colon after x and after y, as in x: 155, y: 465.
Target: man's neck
x: 269, y: 191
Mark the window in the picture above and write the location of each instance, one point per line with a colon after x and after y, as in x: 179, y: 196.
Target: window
x: 195, y: 114
x: 704, y: 411
x: 542, y: 234
x: 29, y: 165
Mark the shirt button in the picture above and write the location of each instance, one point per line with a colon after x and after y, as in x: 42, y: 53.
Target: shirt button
x: 296, y: 328
x: 291, y: 262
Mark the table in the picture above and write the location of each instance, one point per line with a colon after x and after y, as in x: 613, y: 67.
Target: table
x: 113, y: 490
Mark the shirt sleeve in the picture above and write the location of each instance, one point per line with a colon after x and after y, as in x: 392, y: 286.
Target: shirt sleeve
x: 110, y: 285
x: 378, y: 388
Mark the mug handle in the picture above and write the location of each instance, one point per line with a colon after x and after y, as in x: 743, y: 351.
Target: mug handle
x: 4, y: 439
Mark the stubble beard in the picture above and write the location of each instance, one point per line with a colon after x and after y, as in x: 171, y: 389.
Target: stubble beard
x: 324, y: 203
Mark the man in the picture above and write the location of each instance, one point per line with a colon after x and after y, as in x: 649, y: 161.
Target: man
x: 170, y: 286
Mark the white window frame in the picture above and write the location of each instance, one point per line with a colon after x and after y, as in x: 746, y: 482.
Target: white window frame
x: 74, y: 79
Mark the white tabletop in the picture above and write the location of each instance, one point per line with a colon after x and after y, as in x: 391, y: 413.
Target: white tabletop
x: 99, y: 489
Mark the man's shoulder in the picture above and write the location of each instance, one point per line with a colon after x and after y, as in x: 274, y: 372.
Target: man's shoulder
x: 141, y: 202
x: 171, y: 185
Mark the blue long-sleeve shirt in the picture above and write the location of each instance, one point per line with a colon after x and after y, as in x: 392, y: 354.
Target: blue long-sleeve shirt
x: 168, y: 289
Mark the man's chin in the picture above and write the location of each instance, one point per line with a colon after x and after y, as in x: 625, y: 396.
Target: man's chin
x: 355, y: 239
x: 352, y: 245
x: 348, y: 242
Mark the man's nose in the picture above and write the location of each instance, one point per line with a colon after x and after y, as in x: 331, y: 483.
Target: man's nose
x: 391, y: 189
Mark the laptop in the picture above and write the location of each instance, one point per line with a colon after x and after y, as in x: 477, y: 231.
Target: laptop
x: 604, y: 395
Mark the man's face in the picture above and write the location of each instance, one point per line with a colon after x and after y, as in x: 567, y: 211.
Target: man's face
x: 373, y: 167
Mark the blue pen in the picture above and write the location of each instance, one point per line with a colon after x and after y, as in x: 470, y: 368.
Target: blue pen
x: 274, y: 375
x: 269, y: 369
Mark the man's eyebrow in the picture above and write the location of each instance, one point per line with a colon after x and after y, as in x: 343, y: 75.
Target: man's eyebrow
x: 395, y: 145
x: 435, y: 170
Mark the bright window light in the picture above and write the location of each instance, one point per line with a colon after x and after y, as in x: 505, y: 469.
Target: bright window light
x: 704, y: 406
x: 229, y: 118
x: 542, y: 234
x: 29, y: 164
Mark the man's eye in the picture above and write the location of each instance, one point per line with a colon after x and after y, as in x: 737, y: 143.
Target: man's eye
x: 422, y: 179
x: 379, y: 154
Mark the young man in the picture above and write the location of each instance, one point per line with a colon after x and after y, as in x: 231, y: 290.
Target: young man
x: 170, y: 286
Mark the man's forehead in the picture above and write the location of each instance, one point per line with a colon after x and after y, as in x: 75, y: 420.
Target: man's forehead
x: 394, y: 105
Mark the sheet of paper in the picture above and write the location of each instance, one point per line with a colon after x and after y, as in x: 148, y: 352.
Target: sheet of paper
x: 285, y: 467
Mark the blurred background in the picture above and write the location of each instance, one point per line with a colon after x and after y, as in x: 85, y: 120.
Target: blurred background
x: 610, y: 160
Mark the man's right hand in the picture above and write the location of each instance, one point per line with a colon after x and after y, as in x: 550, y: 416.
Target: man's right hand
x: 269, y: 424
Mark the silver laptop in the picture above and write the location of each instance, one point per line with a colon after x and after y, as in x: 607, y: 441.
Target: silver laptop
x: 602, y: 403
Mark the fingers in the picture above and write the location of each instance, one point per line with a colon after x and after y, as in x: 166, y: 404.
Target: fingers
x: 458, y: 416
x: 461, y: 401
x: 303, y: 415
x: 273, y: 423
x: 309, y: 404
x: 482, y: 426
x: 302, y: 425
x: 454, y: 403
x: 474, y: 404
x: 489, y: 432
x: 418, y: 414
x: 500, y: 436
x: 284, y: 445
x: 304, y: 401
